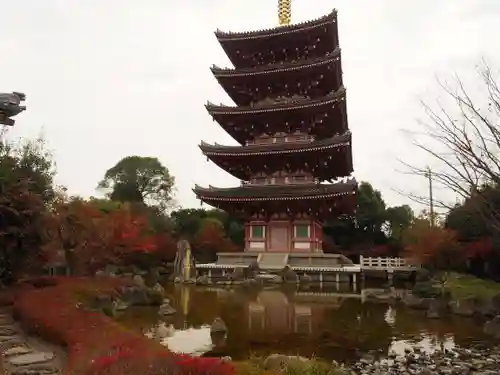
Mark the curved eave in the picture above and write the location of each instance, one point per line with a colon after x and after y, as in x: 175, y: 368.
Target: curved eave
x: 275, y: 107
x: 225, y: 37
x: 276, y: 149
x: 270, y: 69
x: 276, y: 192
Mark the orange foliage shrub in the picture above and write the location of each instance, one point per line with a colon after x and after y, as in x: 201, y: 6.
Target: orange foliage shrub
x: 96, y: 344
x: 431, y: 246
x: 91, y: 238
x: 211, y: 238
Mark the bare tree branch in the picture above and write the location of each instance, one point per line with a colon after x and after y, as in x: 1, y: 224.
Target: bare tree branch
x: 463, y: 139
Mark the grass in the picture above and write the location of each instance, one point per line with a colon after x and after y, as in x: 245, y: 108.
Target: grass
x: 461, y: 286
x: 256, y: 366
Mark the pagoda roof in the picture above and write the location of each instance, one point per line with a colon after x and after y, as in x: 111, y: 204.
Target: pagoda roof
x: 250, y: 192
x: 277, y: 68
x: 274, y: 32
x: 287, y: 104
x: 277, y: 148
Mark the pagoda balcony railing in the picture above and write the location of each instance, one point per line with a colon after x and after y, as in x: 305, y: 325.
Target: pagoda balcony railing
x: 281, y: 139
x: 291, y: 180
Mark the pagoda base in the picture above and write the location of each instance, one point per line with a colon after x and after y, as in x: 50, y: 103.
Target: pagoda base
x: 308, y: 267
x: 272, y: 261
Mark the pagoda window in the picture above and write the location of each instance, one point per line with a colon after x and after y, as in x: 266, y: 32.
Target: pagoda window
x: 258, y: 231
x: 302, y: 230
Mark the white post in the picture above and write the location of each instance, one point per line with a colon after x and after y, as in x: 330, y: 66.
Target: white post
x: 209, y: 273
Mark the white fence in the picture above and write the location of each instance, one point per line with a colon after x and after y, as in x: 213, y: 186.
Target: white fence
x: 383, y: 263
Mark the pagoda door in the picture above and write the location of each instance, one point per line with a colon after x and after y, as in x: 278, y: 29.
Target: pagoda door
x: 279, y: 237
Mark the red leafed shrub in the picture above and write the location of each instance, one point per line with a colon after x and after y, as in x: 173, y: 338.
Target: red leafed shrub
x: 479, y: 249
x: 212, y: 239
x: 92, y: 238
x: 432, y: 246
x: 96, y: 344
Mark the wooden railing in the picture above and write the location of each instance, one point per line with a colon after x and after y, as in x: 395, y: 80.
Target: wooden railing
x: 384, y: 262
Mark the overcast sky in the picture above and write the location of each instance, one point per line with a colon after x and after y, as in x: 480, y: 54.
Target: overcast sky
x: 111, y: 78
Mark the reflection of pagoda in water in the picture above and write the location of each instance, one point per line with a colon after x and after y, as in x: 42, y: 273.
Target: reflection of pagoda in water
x: 274, y: 314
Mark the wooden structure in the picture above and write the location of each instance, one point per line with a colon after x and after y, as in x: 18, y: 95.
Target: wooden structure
x: 290, y: 121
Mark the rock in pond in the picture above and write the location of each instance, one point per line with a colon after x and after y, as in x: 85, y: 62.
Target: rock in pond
x: 218, y: 326
x: 166, y: 308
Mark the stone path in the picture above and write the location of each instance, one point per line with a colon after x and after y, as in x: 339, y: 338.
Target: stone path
x: 27, y: 355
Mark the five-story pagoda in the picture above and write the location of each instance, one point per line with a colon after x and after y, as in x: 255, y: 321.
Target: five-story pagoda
x: 290, y: 120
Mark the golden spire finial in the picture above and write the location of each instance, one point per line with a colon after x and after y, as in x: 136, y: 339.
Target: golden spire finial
x: 285, y: 11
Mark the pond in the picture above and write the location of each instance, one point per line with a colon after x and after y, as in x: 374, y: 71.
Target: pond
x: 331, y: 323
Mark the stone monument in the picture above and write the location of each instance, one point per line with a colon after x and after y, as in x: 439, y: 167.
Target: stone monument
x: 10, y: 106
x: 184, y: 264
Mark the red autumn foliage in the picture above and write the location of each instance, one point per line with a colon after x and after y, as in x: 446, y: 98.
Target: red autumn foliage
x: 96, y: 344
x: 431, y: 246
x: 166, y: 247
x: 212, y: 239
x: 91, y: 238
x: 478, y: 249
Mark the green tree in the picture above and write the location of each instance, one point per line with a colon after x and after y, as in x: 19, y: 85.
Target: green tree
x: 399, y: 218
x: 139, y: 179
x: 370, y: 214
x: 364, y: 228
x: 26, y: 188
x: 187, y: 223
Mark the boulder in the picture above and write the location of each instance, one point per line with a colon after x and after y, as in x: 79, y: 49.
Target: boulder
x: 252, y: 270
x: 288, y: 275
x: 437, y: 307
x: 166, y: 308
x: 100, y: 273
x: 203, y: 280
x: 237, y: 274
x: 103, y: 303
x: 250, y: 282
x: 218, y: 326
x: 426, y: 289
x: 492, y: 328
x: 152, y: 277
x: 142, y: 296
x: 276, y: 279
x: 464, y: 307
x: 139, y: 280
x: 120, y: 305
x: 415, y: 302
x: 158, y: 288
x: 422, y: 275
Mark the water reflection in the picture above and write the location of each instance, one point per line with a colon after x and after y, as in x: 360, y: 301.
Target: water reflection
x: 329, y: 323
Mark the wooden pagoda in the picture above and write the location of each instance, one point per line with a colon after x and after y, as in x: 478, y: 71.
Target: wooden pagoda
x: 290, y: 121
